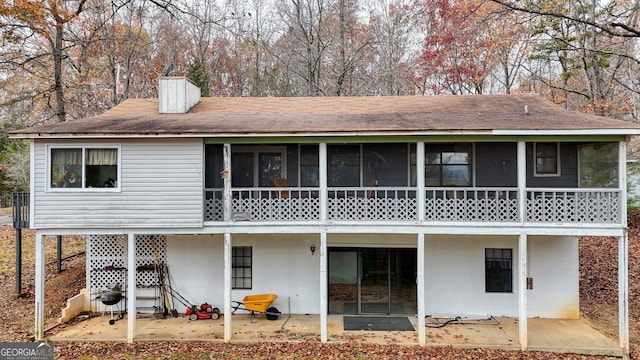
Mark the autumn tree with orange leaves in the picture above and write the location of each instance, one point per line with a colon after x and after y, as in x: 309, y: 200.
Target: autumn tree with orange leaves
x: 45, y: 21
x: 457, y: 53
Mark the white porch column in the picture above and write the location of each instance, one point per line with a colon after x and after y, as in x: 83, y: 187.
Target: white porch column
x: 422, y: 311
x: 422, y: 330
x: 324, y: 335
x: 322, y: 180
x: 623, y: 254
x: 227, y: 287
x: 623, y: 293
x: 131, y: 287
x: 622, y: 181
x: 226, y: 176
x: 39, y: 293
x: 522, y: 180
x: 522, y: 291
x: 522, y: 246
x: 324, y: 256
x: 420, y: 181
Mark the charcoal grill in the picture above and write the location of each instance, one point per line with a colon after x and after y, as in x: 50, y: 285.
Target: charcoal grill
x: 113, y: 298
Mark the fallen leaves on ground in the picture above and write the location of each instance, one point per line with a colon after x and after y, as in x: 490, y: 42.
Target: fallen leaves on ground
x: 287, y: 350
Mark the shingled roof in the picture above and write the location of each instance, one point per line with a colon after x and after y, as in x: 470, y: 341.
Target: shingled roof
x: 313, y: 116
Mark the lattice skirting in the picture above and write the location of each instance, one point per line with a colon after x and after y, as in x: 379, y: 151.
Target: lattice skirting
x: 107, y: 262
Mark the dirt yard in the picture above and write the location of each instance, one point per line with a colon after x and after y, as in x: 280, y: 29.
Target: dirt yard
x: 598, y: 301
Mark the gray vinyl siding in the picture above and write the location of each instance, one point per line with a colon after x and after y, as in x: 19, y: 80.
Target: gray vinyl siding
x: 496, y: 164
x: 568, y: 168
x: 160, y: 187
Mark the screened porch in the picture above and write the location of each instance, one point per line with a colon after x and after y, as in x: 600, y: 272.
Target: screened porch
x: 463, y: 182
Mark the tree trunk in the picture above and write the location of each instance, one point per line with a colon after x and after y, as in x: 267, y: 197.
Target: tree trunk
x: 57, y: 74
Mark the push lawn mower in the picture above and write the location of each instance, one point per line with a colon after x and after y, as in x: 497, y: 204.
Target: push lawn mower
x: 205, y: 311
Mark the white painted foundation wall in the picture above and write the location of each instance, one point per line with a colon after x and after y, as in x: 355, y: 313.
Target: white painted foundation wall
x: 282, y: 265
x: 454, y: 271
x: 455, y: 282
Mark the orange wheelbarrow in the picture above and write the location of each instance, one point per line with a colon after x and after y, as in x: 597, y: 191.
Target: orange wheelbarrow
x: 260, y: 303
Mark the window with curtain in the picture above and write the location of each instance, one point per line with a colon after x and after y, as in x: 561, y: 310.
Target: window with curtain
x: 84, y: 167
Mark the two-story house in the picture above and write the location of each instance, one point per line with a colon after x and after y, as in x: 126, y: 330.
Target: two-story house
x: 416, y: 205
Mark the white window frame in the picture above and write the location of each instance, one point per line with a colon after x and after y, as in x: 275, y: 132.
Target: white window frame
x: 535, y: 162
x: 84, y: 148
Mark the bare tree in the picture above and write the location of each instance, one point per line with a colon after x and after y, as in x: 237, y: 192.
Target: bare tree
x: 394, y: 26
x: 305, y: 41
x: 620, y: 18
x: 588, y: 52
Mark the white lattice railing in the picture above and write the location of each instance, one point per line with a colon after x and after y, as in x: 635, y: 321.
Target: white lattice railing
x: 265, y: 204
x: 452, y: 204
x: 372, y: 203
x: 471, y: 204
x: 573, y: 205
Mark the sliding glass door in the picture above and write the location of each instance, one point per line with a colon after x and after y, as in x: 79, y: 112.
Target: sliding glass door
x: 372, y: 281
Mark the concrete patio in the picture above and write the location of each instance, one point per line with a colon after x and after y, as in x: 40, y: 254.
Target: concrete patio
x: 563, y: 336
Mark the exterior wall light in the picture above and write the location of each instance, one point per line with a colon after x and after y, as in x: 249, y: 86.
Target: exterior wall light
x: 313, y: 249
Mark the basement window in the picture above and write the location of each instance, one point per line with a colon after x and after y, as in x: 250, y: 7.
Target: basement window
x: 241, y: 267
x: 498, y: 270
x: 83, y: 167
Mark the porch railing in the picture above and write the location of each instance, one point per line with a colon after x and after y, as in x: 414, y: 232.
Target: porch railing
x: 372, y: 203
x: 265, y: 204
x: 574, y: 205
x: 472, y: 204
x: 401, y: 204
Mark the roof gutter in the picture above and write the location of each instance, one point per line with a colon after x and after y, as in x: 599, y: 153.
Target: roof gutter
x: 330, y: 135
x: 567, y: 132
